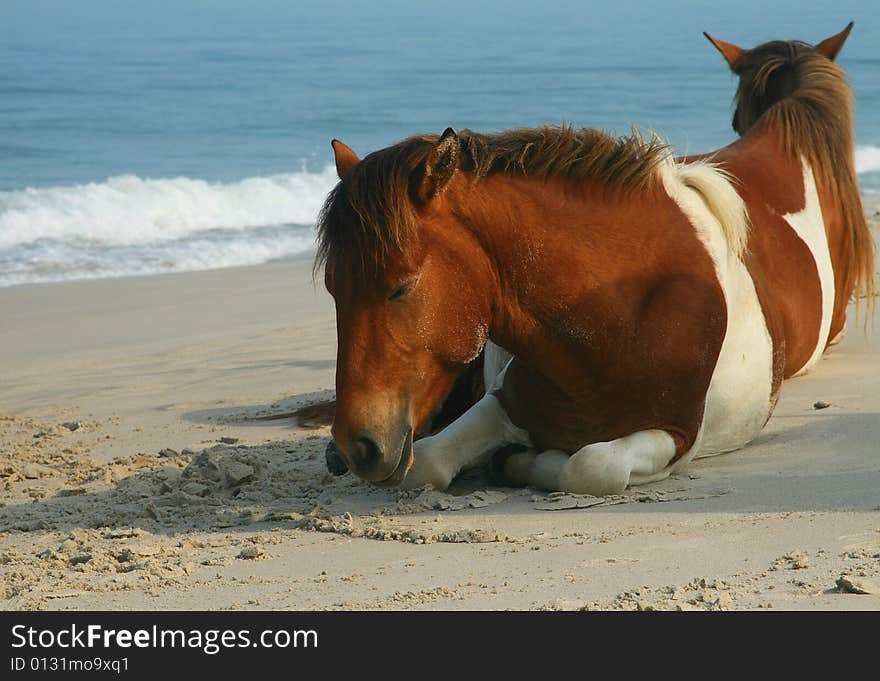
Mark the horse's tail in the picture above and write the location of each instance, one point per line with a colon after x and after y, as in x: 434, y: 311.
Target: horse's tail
x: 715, y: 187
x: 863, y: 245
x: 859, y: 265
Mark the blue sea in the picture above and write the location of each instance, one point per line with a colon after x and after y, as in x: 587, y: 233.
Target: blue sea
x: 148, y: 137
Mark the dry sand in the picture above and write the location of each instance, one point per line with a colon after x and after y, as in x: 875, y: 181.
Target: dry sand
x: 134, y: 476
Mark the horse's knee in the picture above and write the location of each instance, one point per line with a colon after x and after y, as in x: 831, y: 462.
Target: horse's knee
x: 530, y: 469
x: 597, y: 469
x: 515, y: 468
x: 428, y: 468
x: 547, y: 469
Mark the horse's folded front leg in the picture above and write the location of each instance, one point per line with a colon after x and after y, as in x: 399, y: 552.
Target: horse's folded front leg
x: 467, y: 441
x: 600, y: 468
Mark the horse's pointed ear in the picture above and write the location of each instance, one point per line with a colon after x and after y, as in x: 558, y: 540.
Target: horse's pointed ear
x: 441, y: 164
x: 346, y: 159
x: 830, y: 47
x: 729, y: 51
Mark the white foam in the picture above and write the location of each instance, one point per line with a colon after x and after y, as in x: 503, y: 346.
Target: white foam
x: 131, y: 226
x: 133, y: 210
x: 867, y: 159
x: 54, y: 261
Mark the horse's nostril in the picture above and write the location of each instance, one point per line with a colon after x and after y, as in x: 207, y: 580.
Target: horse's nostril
x: 367, y: 452
x: 335, y: 463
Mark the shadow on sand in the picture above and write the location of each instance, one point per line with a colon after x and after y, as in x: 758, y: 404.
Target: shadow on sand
x: 307, y: 410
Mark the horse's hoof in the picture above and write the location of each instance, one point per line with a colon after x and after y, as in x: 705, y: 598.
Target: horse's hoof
x: 499, y: 458
x: 335, y: 463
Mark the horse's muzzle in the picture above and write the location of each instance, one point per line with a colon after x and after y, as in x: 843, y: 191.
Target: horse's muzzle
x: 367, y: 459
x: 335, y: 463
x: 404, y: 463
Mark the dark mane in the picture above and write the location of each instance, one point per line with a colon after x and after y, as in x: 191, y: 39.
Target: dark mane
x: 803, y: 97
x: 372, y: 211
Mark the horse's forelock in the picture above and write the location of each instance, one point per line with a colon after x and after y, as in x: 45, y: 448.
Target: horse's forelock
x: 370, y: 214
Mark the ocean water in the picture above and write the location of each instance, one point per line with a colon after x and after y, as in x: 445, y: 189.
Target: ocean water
x: 141, y: 138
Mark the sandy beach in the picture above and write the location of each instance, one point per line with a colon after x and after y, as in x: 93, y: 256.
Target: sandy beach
x: 136, y: 474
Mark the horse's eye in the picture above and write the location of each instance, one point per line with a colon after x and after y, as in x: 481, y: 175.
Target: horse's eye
x: 401, y: 291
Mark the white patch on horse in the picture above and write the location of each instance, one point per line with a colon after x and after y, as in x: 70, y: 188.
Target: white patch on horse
x: 603, y: 467
x: 809, y: 225
x: 738, y: 402
x: 468, y: 441
x: 495, y: 361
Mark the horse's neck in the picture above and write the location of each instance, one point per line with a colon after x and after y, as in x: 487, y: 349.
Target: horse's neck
x: 551, y: 246
x: 766, y: 168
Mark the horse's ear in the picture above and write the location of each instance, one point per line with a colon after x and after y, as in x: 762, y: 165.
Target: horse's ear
x: 441, y: 164
x: 729, y: 51
x: 346, y: 159
x: 830, y: 47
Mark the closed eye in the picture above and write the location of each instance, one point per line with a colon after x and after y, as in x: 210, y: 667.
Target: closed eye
x: 398, y: 294
x: 403, y: 290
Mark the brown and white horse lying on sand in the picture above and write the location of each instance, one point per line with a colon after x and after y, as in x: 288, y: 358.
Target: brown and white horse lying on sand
x: 652, y: 306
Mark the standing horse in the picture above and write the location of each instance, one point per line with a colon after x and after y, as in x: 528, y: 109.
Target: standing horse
x: 646, y: 321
